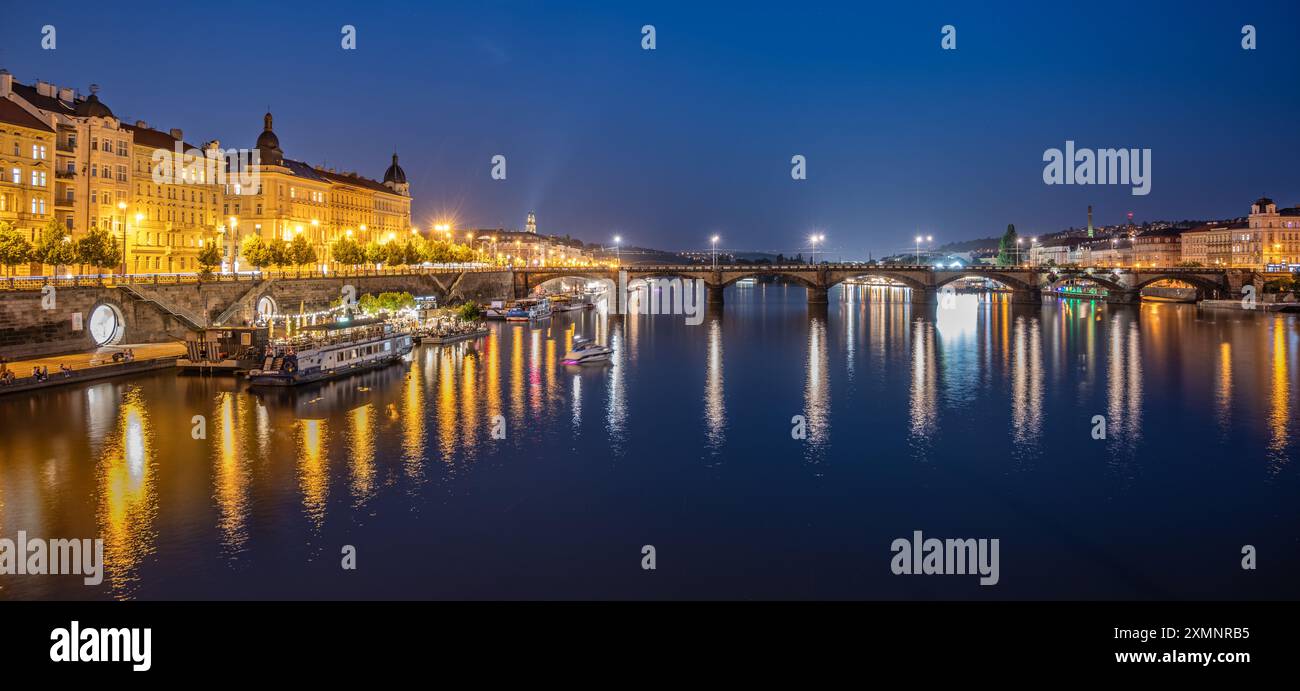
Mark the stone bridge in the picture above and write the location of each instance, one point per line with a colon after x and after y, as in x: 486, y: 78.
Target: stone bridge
x: 1025, y: 283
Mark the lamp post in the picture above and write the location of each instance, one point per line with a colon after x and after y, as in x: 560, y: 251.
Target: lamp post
x: 234, y: 245
x: 918, y: 249
x: 618, y: 254
x: 1032, y: 242
x: 1019, y: 241
x: 121, y: 206
x: 714, y: 239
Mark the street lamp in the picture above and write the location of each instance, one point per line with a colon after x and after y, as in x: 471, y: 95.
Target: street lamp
x: 1018, y: 243
x: 715, y: 252
x: 234, y: 244
x: 918, y: 250
x: 618, y: 255
x: 121, y: 206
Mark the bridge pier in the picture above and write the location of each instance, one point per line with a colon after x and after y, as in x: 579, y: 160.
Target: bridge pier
x: 714, y: 293
x: 817, y: 296
x: 1028, y: 296
x: 1124, y: 297
x: 923, y: 296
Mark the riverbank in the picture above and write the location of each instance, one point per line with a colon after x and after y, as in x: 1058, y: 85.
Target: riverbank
x: 90, y: 366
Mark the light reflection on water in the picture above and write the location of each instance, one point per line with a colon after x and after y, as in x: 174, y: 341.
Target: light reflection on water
x: 997, y: 396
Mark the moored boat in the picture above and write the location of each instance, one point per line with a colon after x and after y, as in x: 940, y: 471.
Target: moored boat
x: 328, y: 351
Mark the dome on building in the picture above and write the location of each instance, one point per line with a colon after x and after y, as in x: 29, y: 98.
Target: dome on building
x: 395, y: 174
x: 1263, y: 203
x: 269, y: 144
x: 93, y: 108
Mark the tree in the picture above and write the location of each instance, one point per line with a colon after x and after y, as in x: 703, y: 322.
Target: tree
x: 257, y: 252
x: 376, y: 253
x: 348, y: 251
x: 1008, y: 252
x: 54, y: 247
x: 97, y: 248
x: 209, y: 258
x: 301, y: 252
x: 469, y: 311
x: 14, y: 248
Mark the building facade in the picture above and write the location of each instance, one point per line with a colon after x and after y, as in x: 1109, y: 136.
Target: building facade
x: 71, y: 159
x: 27, y: 174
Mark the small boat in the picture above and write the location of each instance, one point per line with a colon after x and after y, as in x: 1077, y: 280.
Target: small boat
x: 587, y: 352
x: 329, y: 351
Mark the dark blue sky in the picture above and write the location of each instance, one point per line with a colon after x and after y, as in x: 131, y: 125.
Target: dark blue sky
x: 670, y: 146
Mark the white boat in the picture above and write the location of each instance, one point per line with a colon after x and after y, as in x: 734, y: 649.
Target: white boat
x: 587, y: 352
x: 529, y: 309
x: 496, y: 309
x: 328, y: 351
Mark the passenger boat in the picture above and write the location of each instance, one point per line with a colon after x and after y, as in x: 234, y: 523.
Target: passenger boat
x: 570, y: 302
x: 586, y: 352
x: 229, y: 349
x: 329, y: 351
x: 529, y: 309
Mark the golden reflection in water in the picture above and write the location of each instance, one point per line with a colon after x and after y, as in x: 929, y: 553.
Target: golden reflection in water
x: 516, y: 378
x: 413, y: 421
x: 313, y: 468
x: 471, y: 422
x: 1279, y: 419
x: 715, y: 411
x: 492, y: 366
x: 534, y: 373
x: 446, y: 382
x: 817, y: 385
x: 361, y: 444
x: 923, y: 399
x: 849, y: 308
x: 1223, y: 387
x: 231, y: 474
x: 128, y: 498
x: 1026, y: 382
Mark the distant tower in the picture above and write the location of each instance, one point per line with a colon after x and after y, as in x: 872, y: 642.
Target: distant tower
x: 395, y: 179
x: 1090, y: 220
x: 530, y: 225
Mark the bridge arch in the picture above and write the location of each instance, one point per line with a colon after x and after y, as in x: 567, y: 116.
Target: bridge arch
x: 836, y: 277
x: 730, y: 278
x: 1198, y: 281
x: 1054, y: 279
x: 1007, y: 280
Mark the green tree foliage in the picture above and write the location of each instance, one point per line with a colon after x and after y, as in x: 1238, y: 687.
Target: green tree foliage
x: 1007, y: 251
x: 469, y: 311
x: 259, y: 252
x: 301, y: 251
x: 98, y: 248
x: 14, y: 248
x: 209, y: 257
x: 348, y: 251
x: 385, y: 302
x: 54, y: 247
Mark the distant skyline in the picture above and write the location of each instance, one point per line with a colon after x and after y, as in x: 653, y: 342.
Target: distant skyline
x: 669, y: 147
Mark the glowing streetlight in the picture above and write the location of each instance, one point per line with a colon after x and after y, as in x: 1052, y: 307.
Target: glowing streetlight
x: 618, y: 255
x: 714, y: 240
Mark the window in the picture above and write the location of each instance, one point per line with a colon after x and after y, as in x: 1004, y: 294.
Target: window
x: 94, y: 170
x: 108, y: 145
x: 38, y: 205
x: 121, y: 147
x: 38, y: 151
x: 38, y: 178
x: 18, y: 176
